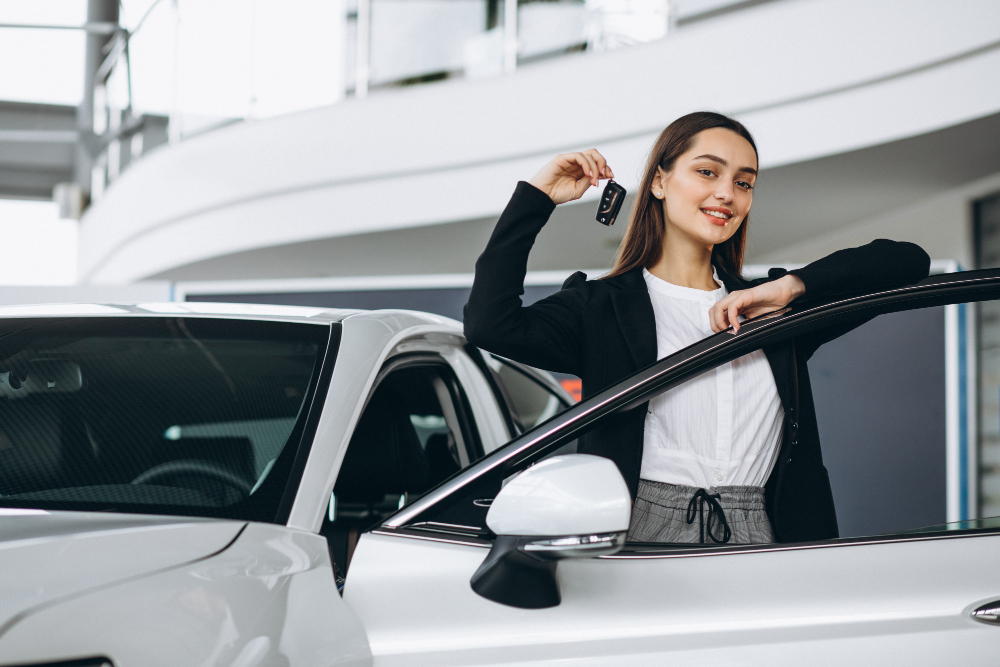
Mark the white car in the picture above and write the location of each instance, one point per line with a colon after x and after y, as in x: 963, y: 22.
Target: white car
x: 183, y: 484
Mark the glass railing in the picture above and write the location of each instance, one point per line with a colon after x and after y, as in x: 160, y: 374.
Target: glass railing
x: 172, y: 69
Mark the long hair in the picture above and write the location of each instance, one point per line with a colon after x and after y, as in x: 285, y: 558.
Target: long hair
x: 642, y: 246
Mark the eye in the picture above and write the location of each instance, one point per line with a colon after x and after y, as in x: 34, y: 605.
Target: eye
x: 706, y: 172
x: 744, y: 185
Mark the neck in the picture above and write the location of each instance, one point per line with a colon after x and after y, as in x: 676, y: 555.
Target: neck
x: 685, y: 264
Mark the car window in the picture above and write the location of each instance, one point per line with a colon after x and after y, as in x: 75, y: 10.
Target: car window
x: 904, y: 405
x: 528, y: 399
x: 186, y: 416
x: 416, y: 430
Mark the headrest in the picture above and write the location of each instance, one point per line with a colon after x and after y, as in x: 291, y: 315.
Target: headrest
x: 440, y: 457
x: 384, y: 456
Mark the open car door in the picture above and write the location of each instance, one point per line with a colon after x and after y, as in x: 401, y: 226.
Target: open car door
x: 497, y: 565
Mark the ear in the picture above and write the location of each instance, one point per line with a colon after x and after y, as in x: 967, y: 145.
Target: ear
x: 659, y: 183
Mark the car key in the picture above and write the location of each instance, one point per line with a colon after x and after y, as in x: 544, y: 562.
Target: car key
x: 611, y: 203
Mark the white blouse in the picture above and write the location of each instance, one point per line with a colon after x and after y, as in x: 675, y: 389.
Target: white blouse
x: 721, y: 428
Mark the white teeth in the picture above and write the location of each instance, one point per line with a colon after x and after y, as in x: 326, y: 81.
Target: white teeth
x: 717, y: 214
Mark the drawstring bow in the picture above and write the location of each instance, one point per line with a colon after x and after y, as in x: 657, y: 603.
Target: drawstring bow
x: 696, y: 507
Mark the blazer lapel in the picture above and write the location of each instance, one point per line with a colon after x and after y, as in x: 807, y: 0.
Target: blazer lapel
x: 635, y: 316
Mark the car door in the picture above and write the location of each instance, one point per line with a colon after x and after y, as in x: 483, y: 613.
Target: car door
x: 907, y: 597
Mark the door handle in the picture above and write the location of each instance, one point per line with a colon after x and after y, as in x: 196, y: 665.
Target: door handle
x: 988, y: 613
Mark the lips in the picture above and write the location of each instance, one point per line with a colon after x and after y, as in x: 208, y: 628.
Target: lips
x: 717, y: 215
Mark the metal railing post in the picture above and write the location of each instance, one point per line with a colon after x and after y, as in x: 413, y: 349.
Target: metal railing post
x: 509, y: 36
x: 362, y: 65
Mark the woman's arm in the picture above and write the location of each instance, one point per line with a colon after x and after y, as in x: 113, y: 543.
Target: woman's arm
x: 881, y: 264
x: 547, y: 333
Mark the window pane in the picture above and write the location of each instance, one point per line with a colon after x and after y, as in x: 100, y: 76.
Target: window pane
x: 530, y: 403
x: 880, y: 403
x: 153, y: 415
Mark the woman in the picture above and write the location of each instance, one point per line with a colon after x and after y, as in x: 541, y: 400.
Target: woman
x: 742, y: 439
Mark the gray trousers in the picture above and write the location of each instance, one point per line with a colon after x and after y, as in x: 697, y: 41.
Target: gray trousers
x: 661, y: 512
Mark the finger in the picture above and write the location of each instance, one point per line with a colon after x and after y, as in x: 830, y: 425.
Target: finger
x: 594, y: 170
x: 602, y: 164
x: 734, y: 315
x: 577, y: 165
x: 717, y: 317
x: 713, y: 317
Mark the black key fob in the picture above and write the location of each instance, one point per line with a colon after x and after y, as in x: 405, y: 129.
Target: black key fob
x: 611, y: 203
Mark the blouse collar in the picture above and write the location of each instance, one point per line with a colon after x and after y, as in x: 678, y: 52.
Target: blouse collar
x: 686, y: 293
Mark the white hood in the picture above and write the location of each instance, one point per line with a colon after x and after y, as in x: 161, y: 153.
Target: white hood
x: 45, y: 556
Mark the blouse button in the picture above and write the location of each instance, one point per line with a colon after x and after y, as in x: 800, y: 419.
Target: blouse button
x: 718, y: 478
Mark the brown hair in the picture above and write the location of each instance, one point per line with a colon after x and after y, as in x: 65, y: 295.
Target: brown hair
x: 643, y: 242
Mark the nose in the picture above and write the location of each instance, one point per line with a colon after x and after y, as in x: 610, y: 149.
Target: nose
x: 724, y: 193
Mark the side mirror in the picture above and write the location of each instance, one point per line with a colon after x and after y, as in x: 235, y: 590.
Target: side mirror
x: 572, y: 506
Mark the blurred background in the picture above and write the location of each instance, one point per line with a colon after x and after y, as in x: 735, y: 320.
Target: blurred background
x: 356, y: 153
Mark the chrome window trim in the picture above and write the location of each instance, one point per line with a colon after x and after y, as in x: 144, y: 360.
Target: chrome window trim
x: 683, y: 364
x: 697, y: 551
x: 432, y: 537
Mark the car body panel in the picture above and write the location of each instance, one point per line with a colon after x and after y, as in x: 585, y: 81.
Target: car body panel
x: 268, y: 599
x: 885, y: 603
x: 49, y: 556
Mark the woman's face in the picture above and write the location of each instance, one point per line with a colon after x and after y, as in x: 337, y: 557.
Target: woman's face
x: 708, y: 192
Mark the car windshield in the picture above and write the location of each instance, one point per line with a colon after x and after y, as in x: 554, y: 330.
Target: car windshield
x: 153, y: 415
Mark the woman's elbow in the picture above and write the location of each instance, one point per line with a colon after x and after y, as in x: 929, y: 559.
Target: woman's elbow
x: 913, y: 261
x: 473, y: 333
x: 917, y: 261
x: 478, y: 331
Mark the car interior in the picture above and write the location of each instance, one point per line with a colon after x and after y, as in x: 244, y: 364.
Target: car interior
x: 409, y: 439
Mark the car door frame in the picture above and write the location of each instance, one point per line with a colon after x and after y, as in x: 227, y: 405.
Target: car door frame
x: 372, y: 340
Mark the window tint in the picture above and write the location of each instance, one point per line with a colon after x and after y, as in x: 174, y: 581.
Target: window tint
x: 154, y: 415
x: 529, y: 401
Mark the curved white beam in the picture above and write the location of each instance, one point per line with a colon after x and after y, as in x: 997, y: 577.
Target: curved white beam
x: 809, y: 77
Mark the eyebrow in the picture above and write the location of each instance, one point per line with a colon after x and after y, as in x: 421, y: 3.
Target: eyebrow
x: 716, y: 158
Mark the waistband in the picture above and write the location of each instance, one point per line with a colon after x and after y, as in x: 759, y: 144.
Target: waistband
x: 679, y: 495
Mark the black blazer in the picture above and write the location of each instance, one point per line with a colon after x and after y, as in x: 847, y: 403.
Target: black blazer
x: 605, y: 330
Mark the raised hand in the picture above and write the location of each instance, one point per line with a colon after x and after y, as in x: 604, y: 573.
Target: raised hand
x: 566, y: 177
x: 756, y: 301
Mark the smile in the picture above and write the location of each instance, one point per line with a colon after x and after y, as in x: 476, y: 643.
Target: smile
x: 720, y: 215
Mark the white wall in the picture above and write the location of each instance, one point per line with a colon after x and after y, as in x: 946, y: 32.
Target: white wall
x: 941, y: 225
x: 809, y: 77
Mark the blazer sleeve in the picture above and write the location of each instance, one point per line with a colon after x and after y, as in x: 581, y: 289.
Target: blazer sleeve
x: 879, y: 265
x: 545, y: 334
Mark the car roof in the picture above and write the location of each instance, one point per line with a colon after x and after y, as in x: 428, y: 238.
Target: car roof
x: 247, y: 311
